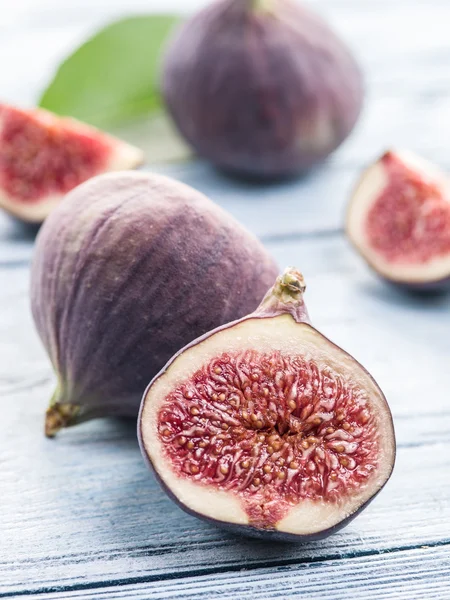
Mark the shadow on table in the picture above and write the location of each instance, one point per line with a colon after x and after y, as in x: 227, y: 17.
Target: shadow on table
x: 16, y: 241
x: 422, y: 298
x: 13, y: 229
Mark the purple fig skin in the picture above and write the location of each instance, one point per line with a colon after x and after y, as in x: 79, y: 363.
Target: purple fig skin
x: 274, y: 303
x: 129, y: 268
x: 263, y: 89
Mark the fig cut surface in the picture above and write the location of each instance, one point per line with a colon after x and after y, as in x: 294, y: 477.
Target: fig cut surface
x: 44, y: 156
x: 267, y: 426
x: 399, y: 219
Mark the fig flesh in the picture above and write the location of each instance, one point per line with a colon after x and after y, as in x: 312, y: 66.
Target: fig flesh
x: 265, y: 426
x: 399, y: 221
x: 262, y: 89
x: 43, y: 156
x: 127, y: 269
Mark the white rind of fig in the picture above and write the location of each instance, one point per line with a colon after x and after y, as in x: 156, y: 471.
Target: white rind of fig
x: 38, y: 127
x: 373, y: 182
x: 281, y: 325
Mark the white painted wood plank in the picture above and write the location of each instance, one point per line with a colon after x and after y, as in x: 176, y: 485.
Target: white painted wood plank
x: 410, y: 575
x: 81, y: 512
x: 82, y: 509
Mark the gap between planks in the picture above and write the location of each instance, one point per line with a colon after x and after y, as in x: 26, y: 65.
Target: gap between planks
x: 199, y: 572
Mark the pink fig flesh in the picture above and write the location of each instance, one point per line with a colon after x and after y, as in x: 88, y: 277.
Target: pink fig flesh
x: 43, y: 156
x: 399, y: 220
x: 266, y: 426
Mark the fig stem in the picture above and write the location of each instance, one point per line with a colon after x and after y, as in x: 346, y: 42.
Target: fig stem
x: 291, y: 282
x: 289, y: 287
x: 59, y: 415
x: 286, y: 296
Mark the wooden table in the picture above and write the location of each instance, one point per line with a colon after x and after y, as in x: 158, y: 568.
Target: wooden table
x: 81, y: 516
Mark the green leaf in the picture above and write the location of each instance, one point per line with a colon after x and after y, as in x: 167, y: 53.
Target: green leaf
x: 114, y: 75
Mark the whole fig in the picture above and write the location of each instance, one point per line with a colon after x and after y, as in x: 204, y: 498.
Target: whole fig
x: 262, y: 88
x: 128, y: 269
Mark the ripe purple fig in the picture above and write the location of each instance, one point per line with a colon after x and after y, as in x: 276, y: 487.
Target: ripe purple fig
x: 399, y: 221
x: 262, y: 88
x: 265, y: 426
x: 43, y: 156
x: 127, y: 269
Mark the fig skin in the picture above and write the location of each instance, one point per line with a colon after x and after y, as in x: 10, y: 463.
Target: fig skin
x: 129, y: 268
x: 285, y: 297
x: 44, y: 156
x: 426, y: 181
x: 261, y: 89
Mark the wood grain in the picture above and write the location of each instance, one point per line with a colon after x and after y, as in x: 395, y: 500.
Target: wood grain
x: 82, y: 509
x: 411, y: 574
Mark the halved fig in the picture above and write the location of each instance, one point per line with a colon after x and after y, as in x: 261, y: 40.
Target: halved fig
x: 265, y: 426
x: 43, y: 156
x: 399, y: 220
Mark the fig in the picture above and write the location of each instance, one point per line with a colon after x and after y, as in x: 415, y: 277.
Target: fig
x: 266, y: 427
x: 399, y: 221
x: 43, y: 156
x: 130, y: 267
x: 261, y: 88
